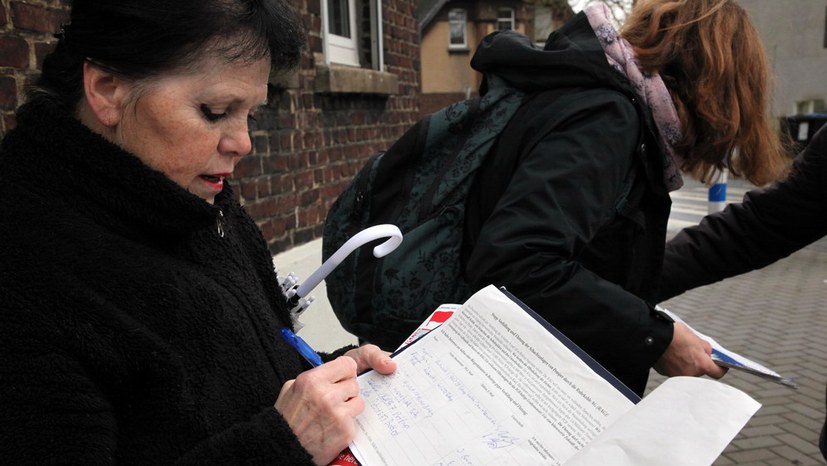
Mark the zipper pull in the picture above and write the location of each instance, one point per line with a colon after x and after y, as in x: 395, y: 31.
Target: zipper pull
x: 219, y: 223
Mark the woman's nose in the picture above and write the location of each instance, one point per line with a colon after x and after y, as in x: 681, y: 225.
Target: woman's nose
x: 236, y: 141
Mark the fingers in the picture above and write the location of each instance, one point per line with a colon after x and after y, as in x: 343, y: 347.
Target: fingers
x: 332, y: 383
x: 319, y: 406
x: 717, y: 372
x: 713, y: 370
x: 372, y: 357
x: 341, y: 368
x: 702, y: 355
x: 688, y: 355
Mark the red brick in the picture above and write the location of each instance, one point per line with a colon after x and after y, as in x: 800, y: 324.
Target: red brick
x: 274, y: 228
x: 8, y: 93
x: 276, y: 185
x: 247, y: 190
x: 274, y: 163
x: 4, y: 17
x: 263, y: 186
x: 297, y: 161
x: 248, y: 166
x: 262, y: 208
x: 286, y: 202
x: 14, y: 52
x: 309, y: 197
x: 41, y: 49
x: 303, y: 180
x: 37, y: 18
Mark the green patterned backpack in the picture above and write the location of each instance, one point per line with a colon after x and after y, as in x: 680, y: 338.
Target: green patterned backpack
x: 419, y: 184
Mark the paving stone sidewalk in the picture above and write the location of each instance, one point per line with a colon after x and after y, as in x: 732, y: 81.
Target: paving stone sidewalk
x: 778, y: 317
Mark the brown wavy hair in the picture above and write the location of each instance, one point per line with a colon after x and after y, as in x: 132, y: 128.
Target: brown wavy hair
x: 712, y: 60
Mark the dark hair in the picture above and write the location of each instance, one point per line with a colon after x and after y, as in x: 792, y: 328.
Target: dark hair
x: 143, y: 38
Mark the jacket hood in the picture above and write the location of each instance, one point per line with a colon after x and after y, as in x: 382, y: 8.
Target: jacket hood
x: 572, y: 57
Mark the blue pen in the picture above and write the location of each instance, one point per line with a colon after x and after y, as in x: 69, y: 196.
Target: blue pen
x: 301, y: 346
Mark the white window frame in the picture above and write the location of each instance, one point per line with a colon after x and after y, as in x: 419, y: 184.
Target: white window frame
x: 509, y: 20
x: 340, y: 49
x: 345, y: 50
x: 454, y: 21
x: 377, y: 34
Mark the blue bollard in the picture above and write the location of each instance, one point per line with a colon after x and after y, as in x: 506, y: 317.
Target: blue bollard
x: 717, y: 194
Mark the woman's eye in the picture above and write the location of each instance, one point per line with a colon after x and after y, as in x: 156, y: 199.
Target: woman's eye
x: 210, y: 115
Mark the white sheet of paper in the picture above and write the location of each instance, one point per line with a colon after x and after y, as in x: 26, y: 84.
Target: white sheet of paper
x: 490, y: 386
x: 686, y: 421
x: 493, y: 386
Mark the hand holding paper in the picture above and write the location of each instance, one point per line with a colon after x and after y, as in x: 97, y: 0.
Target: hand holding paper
x: 730, y: 359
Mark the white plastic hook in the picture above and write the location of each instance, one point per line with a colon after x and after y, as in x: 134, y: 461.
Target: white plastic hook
x: 367, y: 235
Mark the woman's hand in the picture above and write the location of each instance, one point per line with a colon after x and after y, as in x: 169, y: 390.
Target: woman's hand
x: 688, y: 354
x: 320, y: 404
x: 371, y: 357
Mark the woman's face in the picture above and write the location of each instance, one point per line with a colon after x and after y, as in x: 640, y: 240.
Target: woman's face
x: 193, y: 126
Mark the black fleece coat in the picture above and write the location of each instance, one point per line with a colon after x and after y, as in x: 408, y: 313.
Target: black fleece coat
x: 139, y: 323
x: 570, y: 215
x: 768, y: 225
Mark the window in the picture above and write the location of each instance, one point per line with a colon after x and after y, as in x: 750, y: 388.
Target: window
x: 809, y: 106
x: 352, y: 45
x: 505, y: 19
x: 352, y: 31
x: 341, y: 25
x: 457, y: 26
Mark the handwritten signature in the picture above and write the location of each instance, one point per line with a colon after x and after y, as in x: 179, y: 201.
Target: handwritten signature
x: 499, y: 439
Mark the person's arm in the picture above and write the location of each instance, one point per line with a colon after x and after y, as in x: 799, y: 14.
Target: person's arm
x: 57, y: 411
x: 562, y: 193
x: 768, y: 225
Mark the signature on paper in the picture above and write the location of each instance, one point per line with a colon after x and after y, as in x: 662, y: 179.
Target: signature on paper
x: 500, y: 439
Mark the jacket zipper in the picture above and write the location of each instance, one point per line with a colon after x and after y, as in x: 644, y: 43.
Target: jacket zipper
x: 219, y: 223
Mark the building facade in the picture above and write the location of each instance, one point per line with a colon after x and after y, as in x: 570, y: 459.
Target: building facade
x: 794, y: 33
x: 371, y: 68
x: 451, y: 30
x: 354, y: 93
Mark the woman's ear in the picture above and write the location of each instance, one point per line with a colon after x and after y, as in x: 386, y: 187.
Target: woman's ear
x: 105, y: 94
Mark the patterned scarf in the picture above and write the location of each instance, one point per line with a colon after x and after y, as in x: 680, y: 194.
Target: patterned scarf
x: 649, y: 87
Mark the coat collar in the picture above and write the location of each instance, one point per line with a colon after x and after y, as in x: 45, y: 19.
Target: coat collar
x: 55, y: 153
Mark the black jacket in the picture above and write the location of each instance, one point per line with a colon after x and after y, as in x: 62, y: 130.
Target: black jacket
x: 139, y: 323
x: 768, y: 225
x: 570, y: 215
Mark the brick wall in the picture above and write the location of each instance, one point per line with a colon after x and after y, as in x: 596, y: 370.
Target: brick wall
x: 26, y: 36
x: 306, y: 147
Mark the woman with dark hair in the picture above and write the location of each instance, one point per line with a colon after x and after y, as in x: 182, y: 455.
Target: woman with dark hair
x: 140, y: 312
x: 576, y: 227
